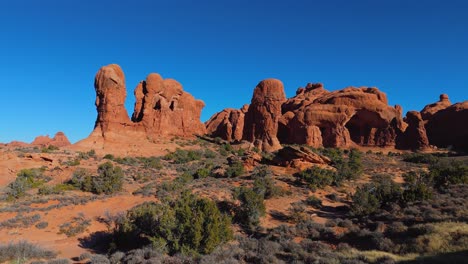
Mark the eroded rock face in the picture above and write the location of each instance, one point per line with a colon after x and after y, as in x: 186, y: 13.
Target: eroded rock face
x: 162, y: 108
x: 430, y: 109
x: 261, y: 119
x: 299, y: 157
x: 341, y: 118
x: 414, y: 137
x: 59, y: 140
x: 227, y: 124
x: 110, y: 99
x: 315, y: 117
x: 449, y: 127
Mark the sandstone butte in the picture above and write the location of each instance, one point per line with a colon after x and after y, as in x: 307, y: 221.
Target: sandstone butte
x: 162, y: 110
x: 345, y: 118
x: 59, y: 140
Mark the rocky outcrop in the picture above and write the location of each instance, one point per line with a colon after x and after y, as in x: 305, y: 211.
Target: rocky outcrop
x: 341, y: 118
x: 299, y: 157
x: 315, y: 117
x: 227, y: 124
x: 261, y: 119
x: 429, y: 110
x: 449, y: 127
x: 162, y: 110
x: 59, y: 140
x: 110, y: 100
x: 414, y: 137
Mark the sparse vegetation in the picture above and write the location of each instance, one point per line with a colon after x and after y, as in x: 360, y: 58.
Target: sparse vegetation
x: 22, y: 251
x: 189, y: 224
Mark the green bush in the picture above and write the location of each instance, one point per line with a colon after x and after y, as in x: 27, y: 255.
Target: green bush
x: 25, y: 180
x: 251, y: 208
x: 235, y: 169
x: 108, y: 181
x: 180, y: 156
x: 314, y: 202
x: 416, y: 187
x: 317, y: 177
x: 264, y: 183
x: 189, y: 225
x: 375, y: 195
x: 420, y: 158
x: 444, y: 173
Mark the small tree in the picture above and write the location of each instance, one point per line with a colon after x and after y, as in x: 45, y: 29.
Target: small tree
x: 251, y: 208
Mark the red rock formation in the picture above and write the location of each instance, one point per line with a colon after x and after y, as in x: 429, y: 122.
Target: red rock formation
x: 162, y: 110
x: 110, y: 99
x: 449, y: 127
x: 227, y: 124
x: 59, y: 140
x: 431, y: 109
x: 414, y: 137
x: 299, y: 157
x: 261, y: 119
x: 316, y: 117
x: 342, y: 118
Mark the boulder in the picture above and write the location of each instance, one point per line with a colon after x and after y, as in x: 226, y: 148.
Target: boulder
x: 263, y: 114
x: 299, y: 157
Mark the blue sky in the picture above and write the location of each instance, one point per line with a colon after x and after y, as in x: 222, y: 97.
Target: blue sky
x: 50, y: 52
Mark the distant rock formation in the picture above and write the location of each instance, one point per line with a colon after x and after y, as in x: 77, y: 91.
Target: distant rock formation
x: 414, y: 137
x: 227, y: 124
x: 429, y: 110
x: 261, y: 119
x: 449, y: 127
x: 59, y: 140
x: 316, y: 117
x: 162, y: 110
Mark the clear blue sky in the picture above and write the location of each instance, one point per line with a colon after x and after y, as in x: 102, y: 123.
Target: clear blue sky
x: 50, y: 52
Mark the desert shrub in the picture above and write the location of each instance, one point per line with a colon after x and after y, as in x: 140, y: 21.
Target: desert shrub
x: 78, y: 225
x: 297, y: 212
x: 236, y: 168
x: 129, y: 161
x: 353, y: 168
x: 23, y: 251
x: 445, y: 173
x: 56, y: 189
x: 314, y: 202
x: 375, y: 195
x: 209, y: 154
x: 264, y: 183
x: 438, y: 238
x: 317, y: 177
x: 109, y: 157
x: 108, y: 181
x: 41, y: 225
x: 25, y: 180
x: 251, y: 208
x: 151, y: 162
x: 420, y: 158
x: 180, y: 156
x: 49, y: 149
x: 416, y: 187
x: 188, y: 224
